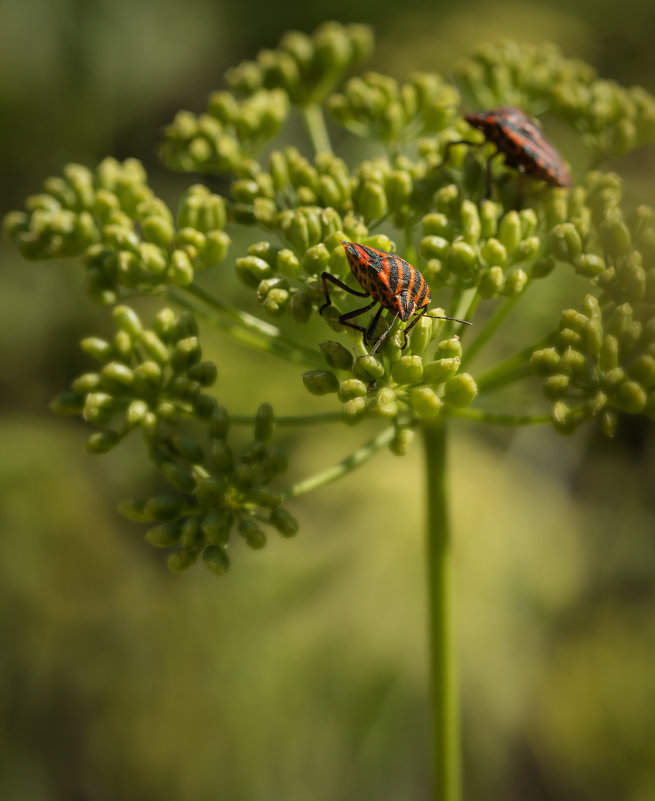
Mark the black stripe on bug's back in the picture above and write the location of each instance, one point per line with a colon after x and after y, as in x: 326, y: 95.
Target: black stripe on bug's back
x: 391, y: 281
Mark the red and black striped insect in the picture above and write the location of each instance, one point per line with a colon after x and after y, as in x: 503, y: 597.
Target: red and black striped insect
x: 390, y: 281
x: 523, y: 145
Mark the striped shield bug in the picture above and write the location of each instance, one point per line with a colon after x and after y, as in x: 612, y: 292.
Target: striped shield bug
x: 520, y: 141
x: 388, y: 280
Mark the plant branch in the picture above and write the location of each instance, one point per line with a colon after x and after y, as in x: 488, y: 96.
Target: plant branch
x: 445, y: 701
x: 489, y: 329
x: 248, y: 329
x: 315, y: 122
x: 290, y: 420
x: 499, y: 418
x: 341, y: 468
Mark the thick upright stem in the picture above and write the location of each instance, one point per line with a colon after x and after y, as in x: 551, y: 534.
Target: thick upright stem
x: 445, y: 705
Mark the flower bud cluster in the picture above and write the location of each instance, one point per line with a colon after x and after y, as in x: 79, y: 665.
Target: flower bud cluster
x: 153, y: 380
x: 466, y: 245
x: 602, y: 362
x: 613, y: 119
x: 227, y: 136
x: 305, y: 67
x: 402, y: 384
x: 290, y: 182
x: 376, y: 106
x: 126, y: 236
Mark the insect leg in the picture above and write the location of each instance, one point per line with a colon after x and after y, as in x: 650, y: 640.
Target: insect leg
x: 344, y: 318
x: 446, y: 151
x: 325, y: 277
x: 382, y: 337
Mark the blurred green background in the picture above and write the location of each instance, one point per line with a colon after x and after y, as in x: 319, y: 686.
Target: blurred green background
x: 302, y: 674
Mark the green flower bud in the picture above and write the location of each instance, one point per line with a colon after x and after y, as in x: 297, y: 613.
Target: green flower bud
x: 611, y: 379
x: 564, y: 419
x: 179, y: 561
x: 509, y: 231
x: 593, y: 336
x: 185, y: 354
x: 590, y: 265
x: 179, y: 476
x: 398, y: 187
x: 384, y: 402
x: 222, y: 458
x: 371, y: 201
x: 252, y: 270
x: 448, y: 348
x: 165, y: 322
x: 461, y: 259
x: 164, y: 536
x: 568, y: 338
x: 99, y: 349
x: 353, y: 410
x: 489, y: 214
x: 252, y: 534
x: 630, y: 397
x: 408, y: 370
x: 99, y: 408
x: 284, y: 522
x: 434, y: 247
x: 516, y: 280
x: 162, y: 508
x: 288, y: 264
x: 527, y: 249
x: 209, y: 492
x: 594, y: 405
x: 204, y: 373
x: 421, y: 335
x: 368, y: 368
x: 336, y: 355
x: 88, y: 382
x: 493, y: 253
x: 492, y: 282
x: 351, y: 388
x: 543, y: 267
x: 441, y: 370
x: 556, y: 386
x: 147, y: 378
x: 133, y: 509
x: 300, y: 307
x: 135, y: 413
x: 127, y: 320
x: 471, y: 224
x: 115, y: 375
x: 642, y: 369
x: 545, y: 361
x: 215, y: 248
x: 425, y: 402
x: 102, y: 441
x: 216, y: 525
x: 573, y: 362
x: 216, y: 559
x: 158, y: 230
x: 460, y: 390
x: 437, y: 224
x: 402, y: 441
x: 320, y: 382
x: 316, y: 259
x: 565, y: 243
x: 614, y: 234
x: 264, y: 423
x: 181, y: 269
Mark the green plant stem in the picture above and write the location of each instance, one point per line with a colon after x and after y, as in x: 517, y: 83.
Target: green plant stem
x: 445, y: 702
x: 249, y: 330
x: 315, y: 122
x: 489, y: 329
x: 482, y: 416
x: 341, y: 468
x: 290, y: 420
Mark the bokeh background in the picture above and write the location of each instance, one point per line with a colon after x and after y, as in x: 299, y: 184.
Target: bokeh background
x: 302, y: 674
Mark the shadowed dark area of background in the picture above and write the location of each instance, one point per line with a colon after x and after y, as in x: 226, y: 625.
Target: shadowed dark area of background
x: 302, y: 674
